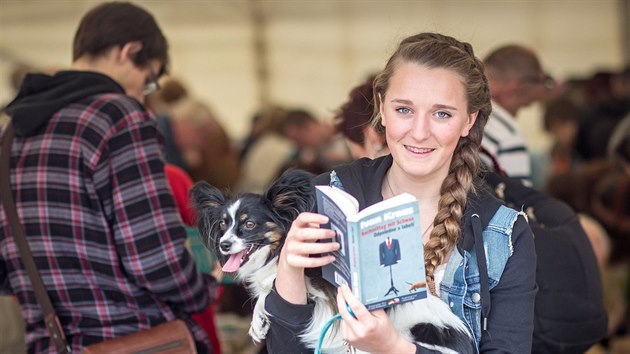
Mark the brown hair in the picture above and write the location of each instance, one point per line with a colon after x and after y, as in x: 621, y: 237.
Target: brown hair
x: 434, y: 50
x: 115, y: 24
x: 356, y: 113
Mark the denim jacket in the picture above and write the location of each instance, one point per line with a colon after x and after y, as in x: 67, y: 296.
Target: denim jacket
x: 460, y: 288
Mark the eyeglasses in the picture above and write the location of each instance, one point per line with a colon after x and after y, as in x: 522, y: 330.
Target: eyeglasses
x: 545, y: 80
x: 151, y: 85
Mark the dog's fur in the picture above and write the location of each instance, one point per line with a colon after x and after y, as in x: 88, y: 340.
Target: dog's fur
x: 251, y: 229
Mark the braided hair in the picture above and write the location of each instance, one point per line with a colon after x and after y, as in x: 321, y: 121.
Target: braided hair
x: 435, y: 50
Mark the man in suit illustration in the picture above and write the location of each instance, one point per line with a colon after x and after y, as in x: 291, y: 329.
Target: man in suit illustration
x: 389, y: 254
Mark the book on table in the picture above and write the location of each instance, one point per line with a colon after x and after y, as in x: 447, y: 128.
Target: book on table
x: 381, y: 255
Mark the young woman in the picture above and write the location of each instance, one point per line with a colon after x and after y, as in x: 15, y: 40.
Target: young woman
x: 432, y: 101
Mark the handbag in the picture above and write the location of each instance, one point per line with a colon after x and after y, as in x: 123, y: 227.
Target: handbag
x: 172, y: 337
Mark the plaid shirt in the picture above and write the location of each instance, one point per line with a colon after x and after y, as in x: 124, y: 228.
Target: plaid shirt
x: 102, y: 226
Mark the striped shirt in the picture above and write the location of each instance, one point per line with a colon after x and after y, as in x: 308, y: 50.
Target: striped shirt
x: 503, y: 139
x: 102, y: 225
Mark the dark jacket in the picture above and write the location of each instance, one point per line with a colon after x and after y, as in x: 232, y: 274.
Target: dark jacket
x: 363, y: 179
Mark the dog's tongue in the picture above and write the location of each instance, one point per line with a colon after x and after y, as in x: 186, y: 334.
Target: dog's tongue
x: 234, y: 262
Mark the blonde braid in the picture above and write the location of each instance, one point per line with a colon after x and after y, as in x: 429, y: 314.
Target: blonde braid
x: 447, y: 223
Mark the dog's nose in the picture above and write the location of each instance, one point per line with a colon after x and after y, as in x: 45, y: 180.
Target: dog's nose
x: 225, y: 245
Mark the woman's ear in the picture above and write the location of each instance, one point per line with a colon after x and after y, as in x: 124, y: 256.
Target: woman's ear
x: 381, y: 109
x: 472, y: 118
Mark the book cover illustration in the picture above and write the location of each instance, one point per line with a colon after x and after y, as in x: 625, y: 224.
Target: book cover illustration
x: 381, y: 257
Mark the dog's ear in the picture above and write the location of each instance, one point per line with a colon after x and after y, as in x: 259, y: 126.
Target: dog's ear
x: 292, y: 193
x: 203, y: 196
x: 207, y: 201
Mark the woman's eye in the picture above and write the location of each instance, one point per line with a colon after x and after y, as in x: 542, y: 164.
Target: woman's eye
x: 442, y: 114
x: 403, y: 110
x: 222, y: 225
x: 250, y: 224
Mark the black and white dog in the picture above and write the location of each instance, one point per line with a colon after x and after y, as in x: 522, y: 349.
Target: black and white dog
x: 247, y: 232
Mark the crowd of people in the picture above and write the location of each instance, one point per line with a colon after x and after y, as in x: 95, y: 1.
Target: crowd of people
x: 104, y: 154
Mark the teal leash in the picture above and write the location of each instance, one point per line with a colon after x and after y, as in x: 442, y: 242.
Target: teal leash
x: 327, y: 326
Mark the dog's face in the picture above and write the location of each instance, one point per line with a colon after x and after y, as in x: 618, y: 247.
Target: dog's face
x: 249, y: 229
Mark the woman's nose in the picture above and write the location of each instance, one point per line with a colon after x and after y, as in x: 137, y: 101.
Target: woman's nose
x: 420, y: 128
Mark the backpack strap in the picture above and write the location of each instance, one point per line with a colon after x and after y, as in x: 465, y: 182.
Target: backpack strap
x: 495, y: 163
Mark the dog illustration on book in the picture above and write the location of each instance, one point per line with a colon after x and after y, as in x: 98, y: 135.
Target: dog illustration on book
x: 247, y: 232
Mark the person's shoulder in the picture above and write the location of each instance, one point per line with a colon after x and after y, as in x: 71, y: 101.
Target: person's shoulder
x: 119, y: 101
x: 483, y: 202
x: 117, y: 109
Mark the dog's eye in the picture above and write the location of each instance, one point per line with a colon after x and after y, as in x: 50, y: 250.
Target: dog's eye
x: 250, y: 224
x: 222, y: 225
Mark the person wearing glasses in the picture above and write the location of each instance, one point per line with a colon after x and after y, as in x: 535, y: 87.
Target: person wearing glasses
x: 516, y: 80
x: 87, y: 174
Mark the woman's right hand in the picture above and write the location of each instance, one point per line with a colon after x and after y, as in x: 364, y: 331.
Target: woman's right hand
x: 300, y: 244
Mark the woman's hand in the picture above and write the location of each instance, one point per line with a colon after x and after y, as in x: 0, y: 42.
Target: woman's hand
x: 371, y: 332
x: 300, y: 244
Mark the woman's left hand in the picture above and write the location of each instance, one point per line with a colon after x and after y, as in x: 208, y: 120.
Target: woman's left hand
x: 371, y: 332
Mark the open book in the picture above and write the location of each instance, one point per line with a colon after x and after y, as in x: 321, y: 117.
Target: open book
x: 381, y: 257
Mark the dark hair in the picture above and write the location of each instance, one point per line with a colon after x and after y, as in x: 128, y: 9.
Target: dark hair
x: 560, y: 110
x: 115, y: 24
x: 172, y: 90
x: 598, y: 88
x: 295, y: 118
x: 435, y: 50
x: 356, y: 113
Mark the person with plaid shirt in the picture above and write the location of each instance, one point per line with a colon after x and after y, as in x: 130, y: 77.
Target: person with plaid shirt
x: 87, y: 174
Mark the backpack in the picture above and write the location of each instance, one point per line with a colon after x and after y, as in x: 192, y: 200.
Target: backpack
x: 569, y: 312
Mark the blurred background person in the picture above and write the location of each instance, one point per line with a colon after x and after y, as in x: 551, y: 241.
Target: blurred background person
x: 516, y: 80
x: 561, y: 120
x: 180, y: 183
x: 318, y: 147
x: 606, y: 103
x: 204, y: 144
x: 161, y: 103
x: 267, y: 153
x: 353, y: 120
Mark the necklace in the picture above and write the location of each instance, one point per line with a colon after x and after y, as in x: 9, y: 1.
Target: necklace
x: 391, y: 191
x: 389, y: 186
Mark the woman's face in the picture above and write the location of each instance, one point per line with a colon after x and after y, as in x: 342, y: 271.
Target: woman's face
x: 425, y: 114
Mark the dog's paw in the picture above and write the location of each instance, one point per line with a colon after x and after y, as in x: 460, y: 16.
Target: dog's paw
x: 259, y: 328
